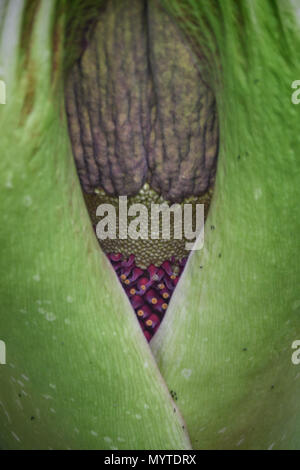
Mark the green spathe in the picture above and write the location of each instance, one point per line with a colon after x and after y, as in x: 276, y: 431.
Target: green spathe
x: 79, y: 373
x: 240, y: 312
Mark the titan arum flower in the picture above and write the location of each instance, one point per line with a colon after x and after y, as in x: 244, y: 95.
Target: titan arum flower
x: 143, y: 124
x: 176, y: 101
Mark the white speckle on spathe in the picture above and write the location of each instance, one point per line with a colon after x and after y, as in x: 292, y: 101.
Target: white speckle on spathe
x: 271, y: 446
x: 69, y: 299
x: 138, y: 416
x: 39, y: 302
x: 202, y: 429
x: 146, y: 365
x: 221, y: 431
x: 76, y: 430
x: 23, y: 311
x: 240, y: 442
x: 12, y: 366
x: 50, y: 317
x: 52, y: 386
x: 52, y: 410
x: 27, y: 200
x: 13, y: 379
x: 94, y: 433
x: 146, y: 406
x: 18, y: 402
x: 296, y: 305
x: 15, y: 436
x: 47, y: 397
x: 41, y: 311
x: 5, y: 412
x: 257, y: 193
x: 114, y: 333
x: 120, y: 439
x: 67, y: 321
x: 205, y: 340
x: 186, y: 373
x: 114, y: 448
x: 36, y: 278
x: 107, y: 439
x: 25, y: 377
x: 20, y: 383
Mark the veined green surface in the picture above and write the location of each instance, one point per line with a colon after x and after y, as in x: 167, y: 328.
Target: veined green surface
x: 225, y: 345
x: 79, y: 371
